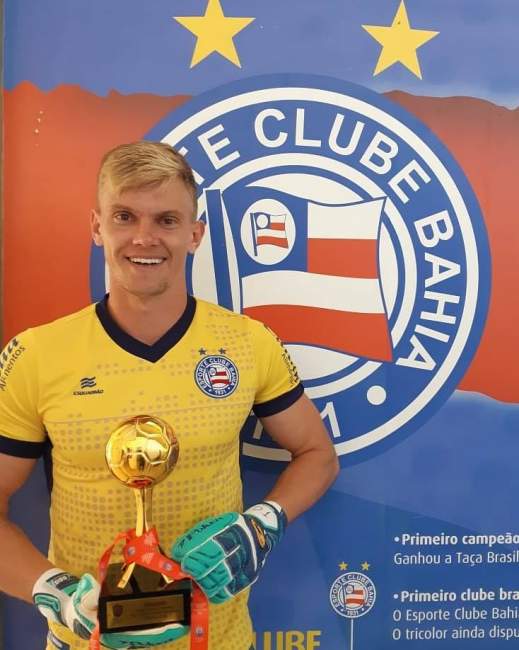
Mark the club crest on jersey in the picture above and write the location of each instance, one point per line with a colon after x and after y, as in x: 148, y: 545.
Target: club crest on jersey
x: 216, y: 376
x: 343, y: 223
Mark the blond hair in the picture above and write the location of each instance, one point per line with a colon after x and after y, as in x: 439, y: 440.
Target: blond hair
x: 143, y: 164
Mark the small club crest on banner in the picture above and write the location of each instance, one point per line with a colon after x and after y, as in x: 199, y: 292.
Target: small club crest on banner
x: 352, y: 595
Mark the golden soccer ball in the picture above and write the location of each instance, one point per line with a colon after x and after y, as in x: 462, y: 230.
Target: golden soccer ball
x: 142, y: 451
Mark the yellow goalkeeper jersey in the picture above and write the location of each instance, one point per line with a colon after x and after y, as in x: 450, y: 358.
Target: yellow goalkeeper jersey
x: 71, y: 382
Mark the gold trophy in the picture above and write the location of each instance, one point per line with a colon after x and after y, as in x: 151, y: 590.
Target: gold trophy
x: 150, y: 591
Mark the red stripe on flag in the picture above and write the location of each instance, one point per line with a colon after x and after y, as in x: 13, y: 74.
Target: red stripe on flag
x: 265, y: 239
x: 356, y: 597
x: 362, y: 335
x: 276, y: 226
x: 219, y: 378
x: 351, y: 258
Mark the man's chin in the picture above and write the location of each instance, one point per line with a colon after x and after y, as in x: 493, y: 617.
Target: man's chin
x: 144, y: 292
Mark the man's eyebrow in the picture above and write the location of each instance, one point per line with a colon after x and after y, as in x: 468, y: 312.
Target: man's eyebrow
x: 120, y: 206
x: 163, y: 213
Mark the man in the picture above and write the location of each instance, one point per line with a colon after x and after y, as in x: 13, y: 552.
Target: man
x: 150, y: 348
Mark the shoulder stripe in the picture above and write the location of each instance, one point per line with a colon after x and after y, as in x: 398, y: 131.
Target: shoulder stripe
x: 21, y: 448
x: 280, y: 403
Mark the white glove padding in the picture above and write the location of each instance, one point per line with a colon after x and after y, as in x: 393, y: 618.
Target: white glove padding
x: 64, y: 599
x: 72, y: 602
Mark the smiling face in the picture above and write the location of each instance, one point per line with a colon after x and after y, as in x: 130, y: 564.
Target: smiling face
x: 147, y: 234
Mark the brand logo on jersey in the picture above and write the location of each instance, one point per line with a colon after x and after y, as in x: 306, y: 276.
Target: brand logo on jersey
x: 13, y: 350
x: 340, y: 221
x: 216, y: 376
x: 87, y: 383
x: 352, y: 594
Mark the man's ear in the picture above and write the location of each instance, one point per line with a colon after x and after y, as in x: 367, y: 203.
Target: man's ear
x: 198, y: 233
x: 95, y: 228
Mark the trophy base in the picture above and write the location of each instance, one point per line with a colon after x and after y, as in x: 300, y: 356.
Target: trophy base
x: 146, y: 601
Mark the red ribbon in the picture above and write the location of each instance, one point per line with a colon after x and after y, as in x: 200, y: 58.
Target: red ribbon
x: 145, y: 551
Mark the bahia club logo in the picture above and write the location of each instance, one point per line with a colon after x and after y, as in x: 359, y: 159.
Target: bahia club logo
x: 339, y: 220
x: 216, y: 376
x: 352, y: 594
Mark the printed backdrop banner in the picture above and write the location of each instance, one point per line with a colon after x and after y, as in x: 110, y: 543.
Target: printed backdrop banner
x: 357, y: 166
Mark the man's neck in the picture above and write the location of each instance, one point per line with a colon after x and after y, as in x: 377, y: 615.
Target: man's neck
x: 146, y: 318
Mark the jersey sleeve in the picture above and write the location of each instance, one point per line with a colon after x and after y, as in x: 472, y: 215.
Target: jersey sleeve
x: 278, y: 383
x: 22, y: 432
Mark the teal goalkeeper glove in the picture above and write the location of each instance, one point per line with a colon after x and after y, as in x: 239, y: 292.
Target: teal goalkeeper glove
x: 224, y: 554
x: 64, y: 599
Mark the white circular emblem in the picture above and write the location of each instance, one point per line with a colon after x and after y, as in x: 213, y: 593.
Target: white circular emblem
x: 352, y: 595
x: 267, y: 231
x: 340, y: 221
x: 216, y: 376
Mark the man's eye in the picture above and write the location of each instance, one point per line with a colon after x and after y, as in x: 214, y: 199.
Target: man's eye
x: 122, y: 217
x: 169, y: 221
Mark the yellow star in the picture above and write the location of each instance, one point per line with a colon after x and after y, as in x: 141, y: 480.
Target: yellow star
x: 399, y: 42
x: 365, y: 566
x: 214, y: 32
x: 343, y: 566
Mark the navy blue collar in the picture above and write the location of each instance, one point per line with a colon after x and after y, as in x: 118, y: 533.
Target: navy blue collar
x: 138, y: 348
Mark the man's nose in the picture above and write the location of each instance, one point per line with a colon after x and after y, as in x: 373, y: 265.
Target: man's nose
x: 145, y: 234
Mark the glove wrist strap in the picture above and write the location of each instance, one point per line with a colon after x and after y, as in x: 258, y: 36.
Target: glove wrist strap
x: 271, y: 515
x: 42, y: 583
